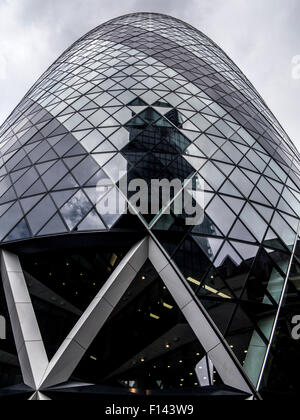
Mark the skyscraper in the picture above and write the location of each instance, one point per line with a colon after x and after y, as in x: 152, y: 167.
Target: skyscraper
x: 136, y: 303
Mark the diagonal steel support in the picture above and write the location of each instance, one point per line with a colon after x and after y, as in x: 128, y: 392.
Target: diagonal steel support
x: 204, y: 328
x: 83, y: 334
x: 30, y: 347
x: 39, y: 396
x: 40, y: 374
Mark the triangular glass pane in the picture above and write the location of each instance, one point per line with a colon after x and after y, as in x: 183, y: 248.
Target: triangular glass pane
x: 239, y: 231
x: 91, y: 222
x: 163, y: 123
x: 194, y: 151
x: 210, y: 246
x: 102, y: 158
x: 247, y: 343
x: 8, y: 196
x: 220, y: 213
x: 254, y: 222
x: 16, y: 175
x: 225, y: 168
x: 283, y: 206
x: 99, y: 177
x: 76, y: 150
x: 227, y: 253
x: 73, y: 161
x: 136, y: 122
x: 112, y: 207
x: 280, y: 260
x: 207, y: 227
x: 55, y: 225
x: 137, y: 102
x: 234, y: 203
x: 162, y: 104
x: 212, y: 175
x: 272, y: 241
x: 21, y: 231
x: 192, y: 261
x: 137, y: 109
x: 284, y: 231
x: 61, y: 197
x: 163, y: 111
x: 41, y: 214
x: 246, y: 251
x: 105, y: 147
x: 253, y: 176
x: 54, y: 174
x: 63, y: 283
x: 37, y: 188
x: 214, y: 286
x: 96, y: 194
x: 196, y: 162
x: 247, y: 165
x: 85, y: 170
x: 277, y: 185
x: 51, y: 155
x: 151, y: 116
x: 229, y: 188
x: 76, y: 209
x: 231, y: 274
x: 292, y: 221
x: 265, y: 212
x: 258, y: 197
x: 68, y: 182
x: 265, y: 282
x: 28, y: 203
x: 43, y: 167
x: 4, y: 208
x: 222, y: 157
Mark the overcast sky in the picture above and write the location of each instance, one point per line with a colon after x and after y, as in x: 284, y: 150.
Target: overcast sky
x: 261, y: 36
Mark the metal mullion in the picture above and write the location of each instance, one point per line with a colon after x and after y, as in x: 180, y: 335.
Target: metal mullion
x: 278, y: 311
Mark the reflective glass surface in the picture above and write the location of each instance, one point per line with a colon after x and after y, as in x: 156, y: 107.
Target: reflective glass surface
x: 150, y: 97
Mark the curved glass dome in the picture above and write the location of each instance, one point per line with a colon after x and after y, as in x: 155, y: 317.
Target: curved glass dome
x: 88, y: 117
x: 147, y: 96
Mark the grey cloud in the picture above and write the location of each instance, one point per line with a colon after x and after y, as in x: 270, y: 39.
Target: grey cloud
x: 260, y: 36
x: 177, y: 8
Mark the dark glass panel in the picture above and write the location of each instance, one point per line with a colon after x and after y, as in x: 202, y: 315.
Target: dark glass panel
x: 159, y: 349
x: 265, y: 282
x: 192, y: 262
x: 10, y: 372
x: 63, y: 283
x: 281, y: 375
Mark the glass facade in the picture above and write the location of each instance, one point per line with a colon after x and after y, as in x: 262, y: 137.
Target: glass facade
x: 151, y: 97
